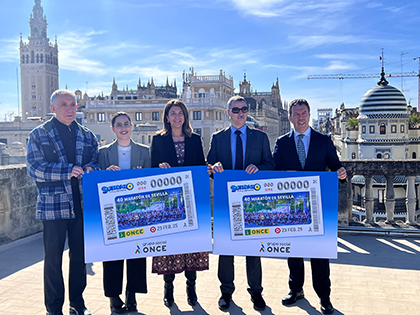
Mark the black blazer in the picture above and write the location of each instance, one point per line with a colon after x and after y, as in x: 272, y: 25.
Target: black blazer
x: 108, y: 155
x: 163, y: 150
x: 321, y: 154
x: 257, y: 149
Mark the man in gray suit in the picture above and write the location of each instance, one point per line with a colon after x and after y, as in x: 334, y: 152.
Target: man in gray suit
x: 239, y: 148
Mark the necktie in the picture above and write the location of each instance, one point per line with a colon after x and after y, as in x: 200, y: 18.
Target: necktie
x: 239, y: 159
x: 301, y: 150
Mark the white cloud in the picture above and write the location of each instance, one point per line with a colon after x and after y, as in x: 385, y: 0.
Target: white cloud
x: 71, y: 45
x: 373, y: 5
x: 288, y: 8
x: 339, y: 65
x: 9, y: 50
x: 345, y: 56
x: 93, y: 32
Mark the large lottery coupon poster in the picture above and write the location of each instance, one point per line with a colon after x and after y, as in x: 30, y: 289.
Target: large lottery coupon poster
x: 276, y: 214
x: 146, y: 212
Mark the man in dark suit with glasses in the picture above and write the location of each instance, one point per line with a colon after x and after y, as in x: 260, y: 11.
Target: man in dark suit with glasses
x: 239, y: 147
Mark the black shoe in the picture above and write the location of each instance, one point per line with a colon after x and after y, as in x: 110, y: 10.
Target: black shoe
x: 117, y: 305
x: 79, y: 311
x: 257, y: 299
x: 224, y: 301
x: 192, y: 295
x: 131, y: 308
x: 130, y: 302
x: 326, y: 306
x: 55, y: 313
x: 168, y: 295
x: 292, y: 297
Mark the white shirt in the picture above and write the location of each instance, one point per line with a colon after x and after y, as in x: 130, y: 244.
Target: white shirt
x: 124, y: 157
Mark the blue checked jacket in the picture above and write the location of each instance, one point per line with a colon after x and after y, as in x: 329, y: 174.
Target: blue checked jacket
x: 55, y: 199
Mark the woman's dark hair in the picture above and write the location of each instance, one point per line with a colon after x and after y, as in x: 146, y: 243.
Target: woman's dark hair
x: 186, y: 127
x: 118, y: 114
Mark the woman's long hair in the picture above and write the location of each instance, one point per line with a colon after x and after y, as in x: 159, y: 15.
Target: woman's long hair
x: 167, y: 129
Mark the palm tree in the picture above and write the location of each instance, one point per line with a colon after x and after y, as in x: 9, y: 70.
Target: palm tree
x: 414, y: 122
x: 353, y: 123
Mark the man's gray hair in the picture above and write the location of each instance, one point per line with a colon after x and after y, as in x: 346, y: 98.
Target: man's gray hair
x: 234, y: 99
x: 57, y: 93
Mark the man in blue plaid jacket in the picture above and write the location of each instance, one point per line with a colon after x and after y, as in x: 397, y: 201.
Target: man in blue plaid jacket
x: 59, y: 152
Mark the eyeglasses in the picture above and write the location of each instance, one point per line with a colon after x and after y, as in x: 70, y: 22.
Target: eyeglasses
x: 127, y: 124
x: 236, y: 110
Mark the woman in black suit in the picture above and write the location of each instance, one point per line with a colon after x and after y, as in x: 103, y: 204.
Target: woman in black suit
x: 177, y: 145
x: 124, y: 153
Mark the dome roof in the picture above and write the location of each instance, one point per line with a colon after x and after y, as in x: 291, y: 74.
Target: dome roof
x: 383, y: 99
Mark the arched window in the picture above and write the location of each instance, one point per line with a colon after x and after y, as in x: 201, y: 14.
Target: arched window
x: 23, y: 58
x: 37, y: 58
x: 353, y: 155
x: 382, y: 129
x: 27, y: 58
x: 42, y: 58
x: 379, y: 156
x: 414, y: 155
x: 201, y: 93
x: 32, y: 56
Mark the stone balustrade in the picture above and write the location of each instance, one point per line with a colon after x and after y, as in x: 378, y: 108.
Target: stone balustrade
x: 369, y: 168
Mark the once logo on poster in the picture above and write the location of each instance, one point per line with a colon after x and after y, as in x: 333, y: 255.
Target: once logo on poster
x: 257, y: 231
x: 275, y: 247
x: 131, y: 233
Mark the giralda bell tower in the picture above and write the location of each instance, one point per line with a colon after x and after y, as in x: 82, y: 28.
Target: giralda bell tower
x: 38, y: 66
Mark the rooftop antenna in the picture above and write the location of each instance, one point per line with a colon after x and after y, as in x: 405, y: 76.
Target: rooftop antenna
x: 402, y: 78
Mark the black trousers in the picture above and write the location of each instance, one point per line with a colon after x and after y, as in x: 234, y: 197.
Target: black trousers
x: 320, y: 275
x: 226, y: 274
x: 113, y: 276
x: 55, y: 232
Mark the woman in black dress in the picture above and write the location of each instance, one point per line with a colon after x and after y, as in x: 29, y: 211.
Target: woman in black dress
x: 177, y: 145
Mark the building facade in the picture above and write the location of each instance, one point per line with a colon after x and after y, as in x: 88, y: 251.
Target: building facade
x: 38, y: 67
x: 383, y: 126
x: 266, y: 109
x: 379, y: 129
x: 206, y: 97
x: 144, y: 104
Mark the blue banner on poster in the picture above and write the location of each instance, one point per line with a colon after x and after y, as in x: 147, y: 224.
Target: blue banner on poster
x: 146, y: 212
x: 276, y: 214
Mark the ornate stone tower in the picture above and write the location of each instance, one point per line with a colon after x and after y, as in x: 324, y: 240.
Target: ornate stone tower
x: 38, y: 66
x: 245, y: 87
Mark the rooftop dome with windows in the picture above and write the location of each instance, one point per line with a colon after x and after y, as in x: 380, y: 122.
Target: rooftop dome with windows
x: 383, y: 101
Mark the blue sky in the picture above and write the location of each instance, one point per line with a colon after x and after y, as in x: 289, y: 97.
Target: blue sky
x: 288, y: 39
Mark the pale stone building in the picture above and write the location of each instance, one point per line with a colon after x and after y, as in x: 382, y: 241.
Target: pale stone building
x: 206, y: 97
x: 39, y: 78
x: 383, y: 130
x: 266, y: 109
x: 38, y: 66
x: 382, y: 133
x: 144, y: 105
